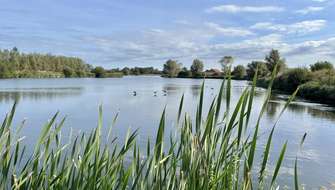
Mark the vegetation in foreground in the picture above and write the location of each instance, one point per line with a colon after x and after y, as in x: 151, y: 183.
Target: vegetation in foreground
x: 214, y: 151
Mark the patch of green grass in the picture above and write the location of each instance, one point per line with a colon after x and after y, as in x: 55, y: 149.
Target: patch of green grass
x: 215, y: 153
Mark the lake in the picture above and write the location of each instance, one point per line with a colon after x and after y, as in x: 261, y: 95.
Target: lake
x: 78, y: 100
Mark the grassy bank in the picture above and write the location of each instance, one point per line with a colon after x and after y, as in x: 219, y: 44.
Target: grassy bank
x: 216, y: 150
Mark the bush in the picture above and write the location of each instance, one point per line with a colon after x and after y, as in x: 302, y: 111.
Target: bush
x: 68, y: 72
x: 290, y: 80
x: 320, y: 65
x: 324, y: 76
x: 185, y: 73
x: 113, y: 75
x: 99, y: 72
x: 315, y: 91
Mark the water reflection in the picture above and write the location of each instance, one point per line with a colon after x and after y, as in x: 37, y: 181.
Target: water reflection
x: 79, y: 99
x: 195, y: 89
x: 8, y: 95
x: 314, y: 110
x: 272, y: 109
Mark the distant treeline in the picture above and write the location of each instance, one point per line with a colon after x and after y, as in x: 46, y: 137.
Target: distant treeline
x: 14, y: 64
x: 315, y: 83
x: 139, y: 71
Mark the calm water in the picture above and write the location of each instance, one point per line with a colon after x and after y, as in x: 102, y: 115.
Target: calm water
x: 78, y: 99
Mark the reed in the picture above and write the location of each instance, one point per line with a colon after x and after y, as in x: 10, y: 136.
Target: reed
x: 215, y: 151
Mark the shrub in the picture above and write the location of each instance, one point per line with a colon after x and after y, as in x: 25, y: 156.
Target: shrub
x: 113, y: 74
x: 68, y: 72
x: 324, y: 76
x: 99, y: 72
x: 320, y: 65
x: 315, y: 91
x: 185, y: 73
x: 291, y: 79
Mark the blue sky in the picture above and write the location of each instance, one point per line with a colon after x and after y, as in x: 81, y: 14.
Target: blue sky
x: 118, y: 33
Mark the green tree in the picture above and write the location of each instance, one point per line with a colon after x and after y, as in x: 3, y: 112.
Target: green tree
x: 185, y: 73
x: 68, y: 72
x: 16, y: 64
x: 290, y: 80
x: 273, y: 59
x: 126, y: 71
x: 171, y: 68
x: 5, y: 72
x: 226, y: 63
x: 197, y: 67
x: 239, y: 72
x: 262, y: 69
x: 99, y: 72
x: 320, y: 65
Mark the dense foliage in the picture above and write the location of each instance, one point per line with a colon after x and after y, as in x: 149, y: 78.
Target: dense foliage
x: 171, y: 68
x: 316, y: 83
x: 14, y: 64
x: 137, y: 71
x: 292, y: 78
x: 321, y: 65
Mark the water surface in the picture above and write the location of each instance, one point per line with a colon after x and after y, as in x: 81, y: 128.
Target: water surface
x: 78, y: 100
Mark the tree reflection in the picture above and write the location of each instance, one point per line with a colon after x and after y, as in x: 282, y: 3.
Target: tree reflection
x: 35, y: 94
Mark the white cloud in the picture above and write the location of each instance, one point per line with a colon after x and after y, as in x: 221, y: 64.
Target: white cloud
x: 156, y: 46
x: 228, y: 31
x: 184, y: 43
x: 308, y: 10
x: 250, y: 9
x: 303, y: 27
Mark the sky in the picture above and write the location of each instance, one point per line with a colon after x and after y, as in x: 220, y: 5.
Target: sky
x: 118, y: 33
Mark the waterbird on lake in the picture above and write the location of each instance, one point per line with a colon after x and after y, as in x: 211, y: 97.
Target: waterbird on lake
x: 134, y: 93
